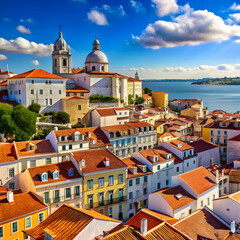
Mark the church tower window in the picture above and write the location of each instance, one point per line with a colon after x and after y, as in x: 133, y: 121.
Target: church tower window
x: 93, y: 68
x: 64, y: 62
x: 102, y: 68
x: 55, y: 62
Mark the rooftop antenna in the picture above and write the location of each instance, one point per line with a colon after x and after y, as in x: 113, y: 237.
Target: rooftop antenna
x: 7, y: 67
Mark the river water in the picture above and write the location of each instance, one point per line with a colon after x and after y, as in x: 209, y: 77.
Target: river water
x: 225, y: 97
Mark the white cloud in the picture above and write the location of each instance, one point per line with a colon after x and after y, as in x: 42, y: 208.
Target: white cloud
x: 35, y: 62
x: 190, y: 28
x: 235, y: 17
x: 202, y: 71
x: 165, y: 7
x: 97, y: 17
x: 27, y: 20
x: 235, y: 7
x: 138, y: 7
x: 23, y: 29
x: 237, y: 41
x: 3, y: 57
x: 111, y: 9
x: 22, y: 45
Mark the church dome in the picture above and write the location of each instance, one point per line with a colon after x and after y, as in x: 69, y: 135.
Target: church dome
x: 60, y: 44
x: 96, y: 55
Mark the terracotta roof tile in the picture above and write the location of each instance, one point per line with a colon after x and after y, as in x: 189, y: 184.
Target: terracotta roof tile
x: 78, y: 70
x: 61, y: 167
x: 169, y: 194
x: 94, y: 160
x: 6, y: 72
x: 175, y: 143
x: 36, y: 73
x: 7, y: 152
x: 199, y: 179
x: 78, y: 89
x: 154, y: 218
x: 66, y: 223
x: 202, y: 145
x: 106, y: 111
x: 130, y: 79
x: 19, y: 207
x: 4, y: 83
x: 203, y: 223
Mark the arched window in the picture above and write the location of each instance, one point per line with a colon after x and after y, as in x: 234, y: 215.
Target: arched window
x: 55, y: 62
x: 64, y: 62
x: 86, y: 68
x: 93, y: 68
x: 102, y: 68
x: 56, y: 174
x: 44, y: 176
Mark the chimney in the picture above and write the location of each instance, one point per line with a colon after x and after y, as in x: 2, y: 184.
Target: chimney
x: 211, y: 161
x: 233, y: 226
x: 144, y: 224
x: 217, y: 181
x: 55, y: 128
x: 10, y: 196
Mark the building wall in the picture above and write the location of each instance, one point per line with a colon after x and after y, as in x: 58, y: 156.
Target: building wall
x: 233, y: 152
x: 227, y: 209
x: 190, y: 113
x: 71, y: 106
x: 21, y: 226
x: 101, y: 85
x: 204, y: 157
x: 185, y: 210
x: 97, y: 190
x: 160, y: 99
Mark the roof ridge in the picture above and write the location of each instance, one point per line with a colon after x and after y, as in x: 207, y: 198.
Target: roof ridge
x: 32, y: 71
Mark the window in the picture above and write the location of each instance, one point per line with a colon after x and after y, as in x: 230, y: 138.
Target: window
x: 14, y: 227
x: 211, y: 132
x: 167, y: 165
x: 120, y: 178
x: 120, y: 194
x: 208, y: 201
x: 60, y: 91
x: 11, y: 172
x: 32, y: 81
x: 80, y: 145
x: 137, y: 181
x: 50, y: 101
x: 70, y: 146
x: 32, y: 91
x: 110, y: 212
x: 120, y: 213
x: 63, y: 147
x: 211, y: 139
x: 40, y: 217
x: 77, y: 191
x: 48, y: 161
x: 130, y: 195
x: 101, y: 198
x: 46, y: 197
x: 32, y: 163
x: 79, y: 107
x: 101, y: 182
x: 130, y: 183
x: 90, y: 184
x: 68, y: 192
x: 213, y: 196
x: 102, y: 68
x: 82, y: 94
x: 56, y: 196
x: 145, y: 191
x: 28, y: 222
x: 1, y: 232
x: 64, y: 62
x: 201, y: 203
x: 145, y: 179
x: 41, y: 91
x: 177, y: 169
x: 93, y: 68
x: 55, y: 62
x: 12, y: 186
x: 167, y: 173
x: 167, y: 182
x: 50, y: 91
x: 158, y: 167
x: 56, y: 174
x: 159, y: 186
x: 110, y: 197
x: 90, y: 201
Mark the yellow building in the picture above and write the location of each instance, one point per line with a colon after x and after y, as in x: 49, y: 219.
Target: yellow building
x: 77, y: 107
x: 19, y: 212
x: 160, y: 128
x: 104, y: 182
x: 160, y: 99
x: 134, y: 87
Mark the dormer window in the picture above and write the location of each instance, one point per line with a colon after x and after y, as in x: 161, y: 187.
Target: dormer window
x: 44, y: 176
x: 144, y: 168
x: 56, y: 174
x: 70, y: 172
x: 155, y: 159
x: 179, y: 196
x: 179, y: 145
x: 169, y: 156
x: 77, y: 136
x: 30, y: 146
x: 93, y: 142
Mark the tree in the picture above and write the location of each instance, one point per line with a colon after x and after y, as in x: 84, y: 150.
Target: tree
x: 139, y: 100
x: 5, y: 109
x: 62, y: 117
x: 130, y: 99
x: 147, y: 90
x: 34, y: 107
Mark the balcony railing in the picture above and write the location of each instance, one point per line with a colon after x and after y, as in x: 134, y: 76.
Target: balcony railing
x: 105, y: 202
x: 62, y: 198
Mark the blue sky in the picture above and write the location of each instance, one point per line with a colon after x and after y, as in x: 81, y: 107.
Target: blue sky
x: 159, y: 38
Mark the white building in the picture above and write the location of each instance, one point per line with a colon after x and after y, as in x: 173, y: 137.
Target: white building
x: 4, y: 75
x: 191, y: 191
x: 37, y: 86
x: 233, y: 147
x: 138, y: 185
x: 228, y: 207
x: 110, y: 116
x: 208, y: 153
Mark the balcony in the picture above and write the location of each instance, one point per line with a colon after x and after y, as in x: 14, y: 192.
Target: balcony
x: 106, y: 202
x: 62, y: 198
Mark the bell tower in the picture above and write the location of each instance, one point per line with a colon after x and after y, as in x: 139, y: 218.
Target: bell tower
x: 61, y: 56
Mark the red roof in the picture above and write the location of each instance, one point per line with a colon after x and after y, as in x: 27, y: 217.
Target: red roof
x: 236, y: 138
x: 37, y: 73
x: 133, y: 80
x: 6, y: 72
x: 77, y: 70
x: 4, y: 83
x: 78, y: 89
x: 106, y: 111
x: 202, y: 145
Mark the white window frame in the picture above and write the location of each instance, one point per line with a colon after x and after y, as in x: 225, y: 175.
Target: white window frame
x: 30, y: 222
x: 43, y: 216
x: 12, y: 227
x: 2, y: 226
x: 8, y: 172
